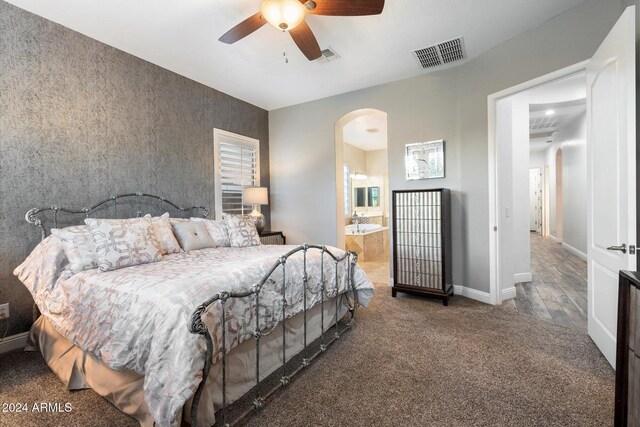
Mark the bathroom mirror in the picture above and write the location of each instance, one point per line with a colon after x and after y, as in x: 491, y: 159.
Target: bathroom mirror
x: 359, y: 197
x: 373, y: 197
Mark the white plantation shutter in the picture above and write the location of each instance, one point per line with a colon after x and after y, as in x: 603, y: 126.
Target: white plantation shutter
x: 237, y: 165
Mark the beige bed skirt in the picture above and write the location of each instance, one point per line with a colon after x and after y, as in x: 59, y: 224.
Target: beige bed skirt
x: 80, y: 370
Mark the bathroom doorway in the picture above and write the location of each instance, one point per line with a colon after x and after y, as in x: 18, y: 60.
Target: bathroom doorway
x: 363, y: 189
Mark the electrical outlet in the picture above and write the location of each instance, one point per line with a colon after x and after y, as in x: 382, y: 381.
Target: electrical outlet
x: 4, y: 311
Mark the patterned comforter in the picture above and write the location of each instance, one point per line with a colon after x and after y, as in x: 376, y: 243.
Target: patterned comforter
x: 137, y: 318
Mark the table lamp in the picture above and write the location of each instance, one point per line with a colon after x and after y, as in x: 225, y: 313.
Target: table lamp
x: 256, y: 196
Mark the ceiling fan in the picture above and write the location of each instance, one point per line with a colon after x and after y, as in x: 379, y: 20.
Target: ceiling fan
x: 289, y: 15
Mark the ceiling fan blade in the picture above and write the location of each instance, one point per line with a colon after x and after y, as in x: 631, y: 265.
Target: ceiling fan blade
x: 346, y: 7
x: 306, y: 41
x: 243, y: 29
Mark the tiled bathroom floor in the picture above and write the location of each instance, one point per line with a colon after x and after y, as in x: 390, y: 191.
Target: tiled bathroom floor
x: 377, y: 272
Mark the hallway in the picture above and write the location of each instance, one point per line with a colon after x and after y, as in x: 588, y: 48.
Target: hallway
x: 558, y: 293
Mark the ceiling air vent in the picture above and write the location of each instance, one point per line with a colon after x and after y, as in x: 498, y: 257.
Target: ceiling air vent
x: 545, y: 122
x: 441, y: 53
x: 328, y: 55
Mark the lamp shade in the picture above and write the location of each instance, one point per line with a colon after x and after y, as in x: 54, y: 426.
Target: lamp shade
x: 283, y: 14
x: 255, y: 195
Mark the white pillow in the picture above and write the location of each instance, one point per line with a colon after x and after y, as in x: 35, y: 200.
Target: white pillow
x: 164, y: 234
x: 217, y: 230
x: 42, y: 268
x: 78, y: 246
x: 124, y: 242
x: 242, y: 232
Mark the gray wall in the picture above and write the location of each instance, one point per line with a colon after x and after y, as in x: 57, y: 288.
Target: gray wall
x: 452, y: 105
x: 80, y: 120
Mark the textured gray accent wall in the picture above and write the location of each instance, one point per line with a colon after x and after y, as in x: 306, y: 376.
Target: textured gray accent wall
x: 80, y: 120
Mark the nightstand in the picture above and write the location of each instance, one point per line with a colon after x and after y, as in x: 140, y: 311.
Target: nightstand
x: 272, y: 237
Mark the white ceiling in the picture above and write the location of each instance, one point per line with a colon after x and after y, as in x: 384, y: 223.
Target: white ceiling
x: 544, y: 133
x: 356, y: 132
x: 182, y: 36
x: 566, y: 97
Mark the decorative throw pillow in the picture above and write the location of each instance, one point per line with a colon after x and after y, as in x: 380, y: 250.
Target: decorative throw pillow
x: 217, y: 230
x: 124, y: 242
x: 164, y: 234
x: 242, y: 232
x: 78, y: 246
x: 193, y: 236
x: 178, y: 220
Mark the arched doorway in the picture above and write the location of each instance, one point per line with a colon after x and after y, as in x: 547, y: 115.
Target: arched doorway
x: 362, y: 189
x: 341, y: 182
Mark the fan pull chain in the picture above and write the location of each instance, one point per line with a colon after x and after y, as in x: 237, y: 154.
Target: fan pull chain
x: 284, y: 49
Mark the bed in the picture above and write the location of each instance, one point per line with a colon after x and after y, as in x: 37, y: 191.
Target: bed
x: 182, y: 339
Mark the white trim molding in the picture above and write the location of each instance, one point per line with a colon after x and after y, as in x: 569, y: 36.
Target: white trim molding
x: 509, y: 293
x: 474, y: 294
x: 574, y: 251
x: 14, y: 342
x: 522, y: 278
x: 555, y: 239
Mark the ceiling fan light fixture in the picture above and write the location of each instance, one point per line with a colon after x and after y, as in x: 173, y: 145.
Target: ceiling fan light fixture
x: 283, y: 14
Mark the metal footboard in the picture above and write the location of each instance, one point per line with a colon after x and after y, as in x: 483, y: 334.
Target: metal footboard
x: 197, y: 326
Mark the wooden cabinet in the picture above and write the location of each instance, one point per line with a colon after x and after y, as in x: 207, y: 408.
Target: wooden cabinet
x: 272, y: 238
x: 422, y: 243
x: 627, y: 405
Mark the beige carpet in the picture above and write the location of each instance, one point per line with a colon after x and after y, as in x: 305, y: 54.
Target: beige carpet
x: 410, y: 361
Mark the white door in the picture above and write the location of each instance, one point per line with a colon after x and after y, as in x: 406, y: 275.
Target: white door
x: 611, y: 176
x: 535, y: 200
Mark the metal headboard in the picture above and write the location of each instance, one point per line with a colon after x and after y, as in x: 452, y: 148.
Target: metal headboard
x: 35, y: 216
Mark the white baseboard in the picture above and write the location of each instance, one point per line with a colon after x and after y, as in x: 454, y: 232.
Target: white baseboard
x: 464, y: 291
x: 475, y: 294
x: 522, y: 277
x: 555, y: 239
x: 574, y: 251
x: 508, y: 293
x: 14, y: 342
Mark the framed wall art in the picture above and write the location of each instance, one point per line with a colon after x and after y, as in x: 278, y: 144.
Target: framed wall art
x: 424, y: 160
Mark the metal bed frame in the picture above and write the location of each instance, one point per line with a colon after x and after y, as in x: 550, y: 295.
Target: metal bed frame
x: 197, y: 326
x: 33, y: 215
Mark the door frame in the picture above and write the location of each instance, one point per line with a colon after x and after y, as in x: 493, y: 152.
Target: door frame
x: 496, y: 296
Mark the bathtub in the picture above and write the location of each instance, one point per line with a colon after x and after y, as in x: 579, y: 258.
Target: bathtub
x: 352, y: 229
x: 371, y: 242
